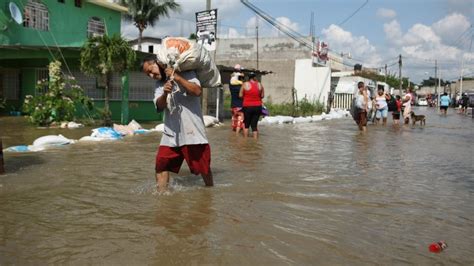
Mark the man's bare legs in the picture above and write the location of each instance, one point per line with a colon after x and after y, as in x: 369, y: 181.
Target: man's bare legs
x: 208, y: 179
x: 162, y: 180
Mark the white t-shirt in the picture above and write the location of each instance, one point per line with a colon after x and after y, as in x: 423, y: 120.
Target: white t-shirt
x: 408, y: 103
x: 184, y: 125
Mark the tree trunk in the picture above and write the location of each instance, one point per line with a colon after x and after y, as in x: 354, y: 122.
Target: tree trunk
x: 140, y: 33
x: 107, y: 114
x: 2, y: 170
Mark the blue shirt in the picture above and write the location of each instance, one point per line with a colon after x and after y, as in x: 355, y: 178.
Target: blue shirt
x: 444, y: 100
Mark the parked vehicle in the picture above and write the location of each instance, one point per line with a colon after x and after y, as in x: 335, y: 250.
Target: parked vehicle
x: 422, y: 102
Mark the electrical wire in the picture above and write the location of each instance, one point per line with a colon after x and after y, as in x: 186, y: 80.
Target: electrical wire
x: 355, y: 12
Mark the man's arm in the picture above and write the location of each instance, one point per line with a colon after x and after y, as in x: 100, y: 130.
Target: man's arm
x: 190, y: 87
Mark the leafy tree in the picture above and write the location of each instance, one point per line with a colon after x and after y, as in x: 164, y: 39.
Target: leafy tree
x: 103, y: 55
x: 147, y: 12
x: 58, y: 100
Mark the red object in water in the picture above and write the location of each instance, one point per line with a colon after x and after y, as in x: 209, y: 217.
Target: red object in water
x: 438, y: 247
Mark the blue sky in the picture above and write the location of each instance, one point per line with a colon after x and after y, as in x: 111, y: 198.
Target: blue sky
x: 421, y: 30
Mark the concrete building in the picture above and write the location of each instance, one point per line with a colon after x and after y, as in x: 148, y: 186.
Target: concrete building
x: 149, y: 44
x: 279, y: 55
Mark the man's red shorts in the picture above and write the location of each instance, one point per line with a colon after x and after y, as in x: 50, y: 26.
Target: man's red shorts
x: 198, y: 158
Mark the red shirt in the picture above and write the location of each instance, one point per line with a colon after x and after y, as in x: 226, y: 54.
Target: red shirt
x: 252, y: 97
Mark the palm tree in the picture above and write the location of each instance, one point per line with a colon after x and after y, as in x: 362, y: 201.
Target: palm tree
x: 103, y: 55
x: 147, y: 12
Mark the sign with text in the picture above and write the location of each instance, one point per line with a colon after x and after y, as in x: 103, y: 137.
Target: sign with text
x: 206, y: 28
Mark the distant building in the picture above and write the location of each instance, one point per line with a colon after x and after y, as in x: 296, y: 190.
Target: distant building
x: 149, y: 44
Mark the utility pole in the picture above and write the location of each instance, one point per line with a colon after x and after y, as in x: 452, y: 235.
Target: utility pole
x: 436, y: 84
x: 385, y: 73
x: 400, y: 73
x: 256, y: 28
x: 205, y: 91
x: 462, y: 69
x: 2, y: 169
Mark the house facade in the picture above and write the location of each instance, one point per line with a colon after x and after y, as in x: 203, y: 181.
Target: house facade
x: 48, y: 30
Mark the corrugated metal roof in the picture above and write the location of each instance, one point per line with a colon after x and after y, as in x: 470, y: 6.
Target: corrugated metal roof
x: 109, y: 5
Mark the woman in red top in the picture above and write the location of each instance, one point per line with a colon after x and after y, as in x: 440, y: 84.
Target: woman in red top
x: 252, y: 93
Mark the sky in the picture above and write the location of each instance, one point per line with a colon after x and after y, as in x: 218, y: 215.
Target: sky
x: 374, y: 32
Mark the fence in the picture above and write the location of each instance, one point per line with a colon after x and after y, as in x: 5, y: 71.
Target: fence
x: 342, y: 100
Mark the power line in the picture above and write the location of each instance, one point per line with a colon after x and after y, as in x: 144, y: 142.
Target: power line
x: 355, y: 12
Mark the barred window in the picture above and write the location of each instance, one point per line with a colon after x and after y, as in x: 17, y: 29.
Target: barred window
x: 41, y: 75
x: 95, y: 27
x: 36, y: 15
x: 10, y: 83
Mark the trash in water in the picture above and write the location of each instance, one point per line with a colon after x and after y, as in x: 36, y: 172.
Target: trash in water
x: 437, y: 247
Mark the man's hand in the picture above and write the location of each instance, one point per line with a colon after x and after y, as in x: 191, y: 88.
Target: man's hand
x: 169, y: 73
x: 168, y: 87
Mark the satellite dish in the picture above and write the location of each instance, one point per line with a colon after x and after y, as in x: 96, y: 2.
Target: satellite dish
x: 15, y: 13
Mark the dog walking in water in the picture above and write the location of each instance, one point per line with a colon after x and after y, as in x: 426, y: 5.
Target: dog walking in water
x: 416, y: 118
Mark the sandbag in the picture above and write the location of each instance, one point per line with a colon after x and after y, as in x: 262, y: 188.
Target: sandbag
x: 105, y: 133
x: 160, y: 128
x: 52, y: 140
x: 300, y: 119
x: 210, y: 121
x: 184, y: 55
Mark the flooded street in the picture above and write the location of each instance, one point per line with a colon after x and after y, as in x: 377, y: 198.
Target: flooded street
x: 304, y: 194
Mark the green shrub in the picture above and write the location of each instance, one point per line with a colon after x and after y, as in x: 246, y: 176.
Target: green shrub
x: 302, y: 108
x: 58, y: 101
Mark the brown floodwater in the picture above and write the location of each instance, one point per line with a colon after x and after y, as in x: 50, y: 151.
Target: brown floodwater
x: 304, y: 194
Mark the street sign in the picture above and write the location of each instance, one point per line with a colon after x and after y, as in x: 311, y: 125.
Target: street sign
x: 206, y: 28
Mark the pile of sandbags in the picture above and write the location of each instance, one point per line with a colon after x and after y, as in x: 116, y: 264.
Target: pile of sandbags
x: 183, y: 55
x: 131, y: 129
x: 42, y: 143
x: 334, y: 114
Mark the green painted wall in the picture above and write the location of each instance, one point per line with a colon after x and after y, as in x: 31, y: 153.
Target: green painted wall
x: 27, y: 84
x: 139, y: 110
x: 67, y: 24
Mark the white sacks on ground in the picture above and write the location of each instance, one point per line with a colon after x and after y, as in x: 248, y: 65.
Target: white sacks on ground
x: 52, y: 140
x: 210, y: 121
x: 316, y: 118
x: 183, y: 55
x: 105, y: 133
x: 269, y: 120
x: 127, y: 130
x: 300, y: 119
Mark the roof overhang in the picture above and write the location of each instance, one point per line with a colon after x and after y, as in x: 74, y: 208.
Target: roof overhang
x: 109, y: 5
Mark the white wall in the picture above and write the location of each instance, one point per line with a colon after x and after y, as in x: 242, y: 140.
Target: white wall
x: 312, y: 83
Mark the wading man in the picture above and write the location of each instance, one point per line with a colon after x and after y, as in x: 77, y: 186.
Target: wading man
x: 184, y: 136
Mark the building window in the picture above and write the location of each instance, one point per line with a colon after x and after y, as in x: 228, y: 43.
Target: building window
x: 150, y: 49
x: 78, y: 3
x: 61, y: 1
x: 95, y: 27
x: 36, y: 16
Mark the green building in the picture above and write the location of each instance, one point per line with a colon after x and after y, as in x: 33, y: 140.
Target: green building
x: 35, y: 32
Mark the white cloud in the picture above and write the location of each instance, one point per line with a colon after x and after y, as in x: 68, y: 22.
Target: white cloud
x: 422, y: 44
x: 386, y: 13
x: 451, y: 26
x: 340, y: 40
x: 393, y: 31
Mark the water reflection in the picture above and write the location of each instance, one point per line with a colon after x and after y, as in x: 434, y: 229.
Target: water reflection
x: 185, y: 215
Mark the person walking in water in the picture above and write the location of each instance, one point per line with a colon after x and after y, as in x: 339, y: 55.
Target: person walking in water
x: 361, y: 108
x: 252, y: 93
x: 444, y: 102
x: 184, y: 135
x: 381, y: 106
x: 236, y: 81
x: 397, y: 111
x: 407, y: 106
